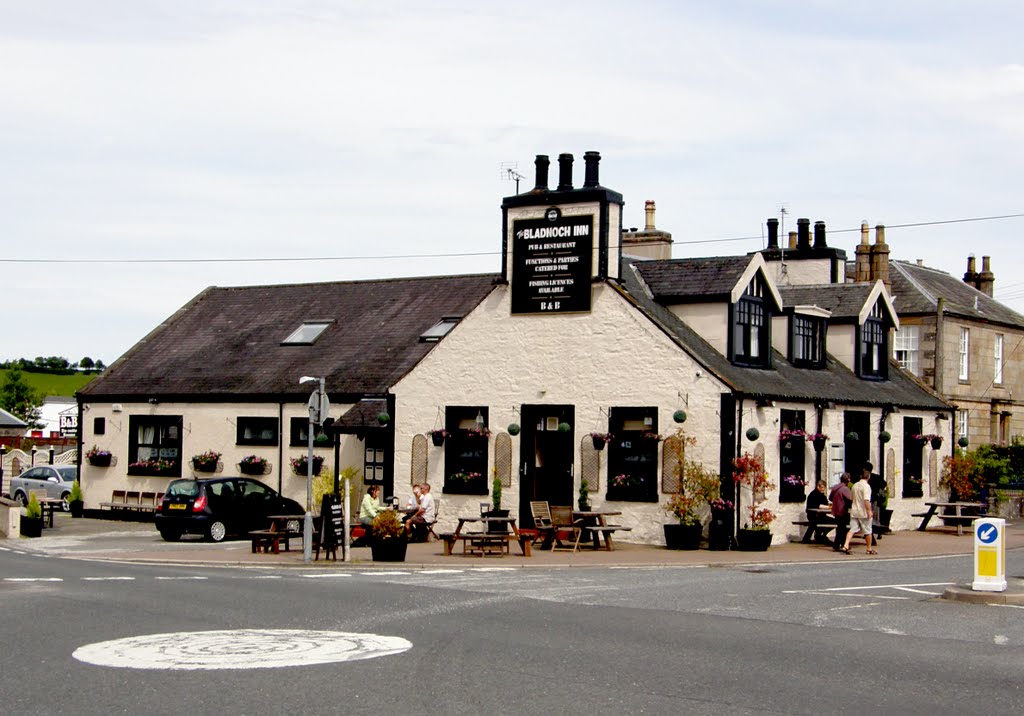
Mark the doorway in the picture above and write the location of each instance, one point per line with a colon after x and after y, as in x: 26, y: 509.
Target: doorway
x: 545, y: 457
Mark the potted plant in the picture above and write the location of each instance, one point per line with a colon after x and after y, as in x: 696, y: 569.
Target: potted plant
x: 583, y: 501
x: 32, y: 522
x: 481, y: 432
x: 496, y: 511
x: 98, y: 458
x: 75, y: 502
x: 697, y: 486
x: 151, y: 467
x: 253, y: 465
x: 719, y: 530
x: 300, y: 465
x: 388, y: 538
x: 755, y: 535
x: 601, y: 439
x: 935, y: 440
x: 819, y: 440
x: 206, y: 462
x: 322, y: 439
x: 438, y: 436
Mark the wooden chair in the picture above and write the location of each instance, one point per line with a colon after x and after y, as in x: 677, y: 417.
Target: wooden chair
x: 543, y: 529
x: 430, y: 525
x: 563, y: 520
x: 131, y: 499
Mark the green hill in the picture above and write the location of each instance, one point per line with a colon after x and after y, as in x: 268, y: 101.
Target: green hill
x: 48, y: 384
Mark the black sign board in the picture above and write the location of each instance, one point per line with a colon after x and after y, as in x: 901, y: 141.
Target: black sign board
x: 551, y: 263
x: 332, y: 521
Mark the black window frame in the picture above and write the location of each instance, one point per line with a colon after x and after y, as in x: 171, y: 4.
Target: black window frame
x: 807, y: 335
x: 167, y: 438
x: 873, y: 343
x: 465, y: 451
x: 750, y: 316
x: 633, y: 453
x: 259, y: 424
x: 792, y: 455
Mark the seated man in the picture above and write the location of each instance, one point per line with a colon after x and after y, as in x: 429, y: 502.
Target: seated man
x: 816, y: 500
x: 425, y: 514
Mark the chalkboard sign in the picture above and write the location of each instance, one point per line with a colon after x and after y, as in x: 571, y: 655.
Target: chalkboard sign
x: 332, y: 522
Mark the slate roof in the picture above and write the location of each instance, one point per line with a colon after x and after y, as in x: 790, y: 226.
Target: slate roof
x: 844, y: 300
x: 227, y: 341
x: 694, y: 279
x: 916, y: 290
x: 782, y: 381
x: 7, y: 420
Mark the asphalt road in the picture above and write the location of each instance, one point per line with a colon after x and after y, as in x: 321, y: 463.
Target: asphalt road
x: 857, y: 637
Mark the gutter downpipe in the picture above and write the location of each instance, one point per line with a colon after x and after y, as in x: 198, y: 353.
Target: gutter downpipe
x: 819, y: 409
x: 739, y: 449
x: 280, y: 447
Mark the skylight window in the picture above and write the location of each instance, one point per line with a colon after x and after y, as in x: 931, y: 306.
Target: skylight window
x: 439, y: 330
x: 306, y: 334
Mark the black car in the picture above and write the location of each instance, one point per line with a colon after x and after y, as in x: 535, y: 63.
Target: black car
x: 219, y: 507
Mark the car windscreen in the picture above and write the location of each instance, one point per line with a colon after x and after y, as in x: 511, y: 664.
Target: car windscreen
x: 183, y: 488
x: 68, y: 473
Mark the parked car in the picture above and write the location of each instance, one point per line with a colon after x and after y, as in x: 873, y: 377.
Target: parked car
x: 55, y: 479
x: 218, y: 507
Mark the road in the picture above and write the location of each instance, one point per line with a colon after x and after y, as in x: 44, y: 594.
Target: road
x: 854, y: 636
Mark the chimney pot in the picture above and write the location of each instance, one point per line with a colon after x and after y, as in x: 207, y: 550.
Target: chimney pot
x: 564, y: 172
x: 879, y: 234
x: 541, y: 162
x: 792, y: 240
x: 986, y: 279
x: 649, y: 215
x: 819, y: 235
x: 590, y: 174
x: 773, y: 233
x: 803, y: 234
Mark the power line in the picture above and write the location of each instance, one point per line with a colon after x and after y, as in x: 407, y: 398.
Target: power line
x: 388, y: 257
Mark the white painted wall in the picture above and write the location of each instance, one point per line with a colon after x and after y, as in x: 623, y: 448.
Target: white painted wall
x: 841, y: 342
x: 800, y: 273
x: 709, y: 320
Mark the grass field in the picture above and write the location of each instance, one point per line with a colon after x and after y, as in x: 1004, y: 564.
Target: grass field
x: 46, y: 384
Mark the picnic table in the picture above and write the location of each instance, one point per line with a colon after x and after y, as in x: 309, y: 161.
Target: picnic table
x: 486, y: 542
x: 958, y: 517
x: 594, y: 523
x: 49, y: 505
x: 269, y: 540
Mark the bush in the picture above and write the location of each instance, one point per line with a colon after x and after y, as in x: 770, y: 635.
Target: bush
x: 33, y: 511
x: 76, y: 493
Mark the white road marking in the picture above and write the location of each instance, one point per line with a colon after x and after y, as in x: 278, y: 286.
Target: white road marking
x: 240, y: 649
x: 854, y: 606
x: 493, y: 569
x: 108, y: 579
x: 33, y: 579
x: 325, y: 576
x: 1011, y: 606
x: 1000, y: 639
x: 383, y: 573
x: 822, y: 590
x: 442, y: 571
x: 918, y: 591
x: 171, y: 579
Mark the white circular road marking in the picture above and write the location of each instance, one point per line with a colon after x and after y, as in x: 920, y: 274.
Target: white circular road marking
x: 239, y: 649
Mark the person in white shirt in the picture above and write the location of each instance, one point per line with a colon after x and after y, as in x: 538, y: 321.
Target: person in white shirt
x: 860, y: 514
x: 424, y: 515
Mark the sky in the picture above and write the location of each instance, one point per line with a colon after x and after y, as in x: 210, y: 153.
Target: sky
x: 152, y: 148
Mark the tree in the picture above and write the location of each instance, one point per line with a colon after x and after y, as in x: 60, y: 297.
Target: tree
x: 18, y: 398
x: 99, y: 365
x: 86, y: 363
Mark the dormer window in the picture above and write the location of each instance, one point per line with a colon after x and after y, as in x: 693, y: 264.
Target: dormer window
x: 807, y: 341
x: 751, y: 342
x: 306, y: 334
x: 873, y: 353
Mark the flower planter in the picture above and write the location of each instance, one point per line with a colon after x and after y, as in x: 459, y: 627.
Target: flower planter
x: 250, y: 469
x: 437, y: 439
x: 76, y: 507
x: 204, y: 466
x: 100, y: 460
x: 302, y: 469
x: 936, y: 443
x: 388, y: 549
x: 679, y: 536
x: 598, y: 443
x: 748, y: 540
x: 497, y: 527
x: 31, y: 526
x: 819, y: 444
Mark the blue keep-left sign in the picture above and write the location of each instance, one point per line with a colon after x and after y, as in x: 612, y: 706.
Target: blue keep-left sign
x: 987, y: 533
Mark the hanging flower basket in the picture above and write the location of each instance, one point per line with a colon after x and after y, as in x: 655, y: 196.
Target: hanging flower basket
x: 564, y: 427
x: 963, y: 441
x: 513, y: 428
x: 884, y: 436
x: 936, y: 442
x: 300, y: 465
x: 98, y: 458
x: 679, y: 416
x: 819, y: 443
x: 852, y: 437
x: 206, y: 462
x: 600, y: 440
x: 253, y: 465
x: 438, y: 436
x: 753, y: 434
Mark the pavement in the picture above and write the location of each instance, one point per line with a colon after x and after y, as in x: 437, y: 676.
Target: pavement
x: 138, y: 542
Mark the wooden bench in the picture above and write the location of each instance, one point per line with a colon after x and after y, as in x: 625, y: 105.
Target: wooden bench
x: 117, y: 501
x: 482, y: 543
x: 605, y: 531
x: 268, y: 541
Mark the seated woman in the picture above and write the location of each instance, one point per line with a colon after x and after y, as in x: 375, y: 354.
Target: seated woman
x: 369, y: 507
x: 817, y: 500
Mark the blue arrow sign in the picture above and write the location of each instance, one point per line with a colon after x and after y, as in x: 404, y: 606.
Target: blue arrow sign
x: 987, y: 534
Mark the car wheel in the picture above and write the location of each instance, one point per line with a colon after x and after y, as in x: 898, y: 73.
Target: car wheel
x: 170, y: 535
x: 20, y: 497
x: 216, y: 531
x: 64, y: 500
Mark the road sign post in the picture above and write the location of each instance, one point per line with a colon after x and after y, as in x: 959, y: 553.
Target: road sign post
x: 989, y: 555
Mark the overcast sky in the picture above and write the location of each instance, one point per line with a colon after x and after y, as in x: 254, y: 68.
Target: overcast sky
x: 374, y: 131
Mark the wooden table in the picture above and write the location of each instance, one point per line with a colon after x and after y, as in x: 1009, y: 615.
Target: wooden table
x: 823, y: 522
x: 594, y: 523
x: 49, y: 505
x: 269, y: 540
x: 959, y: 517
x: 482, y: 543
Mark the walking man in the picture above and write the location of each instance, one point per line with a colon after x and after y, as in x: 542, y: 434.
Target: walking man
x: 860, y: 514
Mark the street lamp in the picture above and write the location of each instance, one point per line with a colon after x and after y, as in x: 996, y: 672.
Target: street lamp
x: 319, y: 406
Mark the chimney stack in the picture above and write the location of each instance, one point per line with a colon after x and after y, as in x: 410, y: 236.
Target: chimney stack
x: 971, y: 275
x: 803, y: 234
x: 792, y: 240
x: 564, y: 172
x: 773, y: 233
x: 542, y: 162
x: 819, y: 235
x: 863, y: 252
x: 986, y: 279
x: 590, y: 175
x: 880, y: 258
x: 649, y: 215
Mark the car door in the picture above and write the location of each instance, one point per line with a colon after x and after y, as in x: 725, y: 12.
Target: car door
x: 27, y: 481
x: 52, y: 483
x: 224, y: 504
x: 258, y: 501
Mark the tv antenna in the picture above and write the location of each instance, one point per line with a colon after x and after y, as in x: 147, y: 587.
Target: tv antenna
x: 509, y: 171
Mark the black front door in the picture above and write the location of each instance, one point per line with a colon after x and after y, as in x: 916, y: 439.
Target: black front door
x: 546, y: 457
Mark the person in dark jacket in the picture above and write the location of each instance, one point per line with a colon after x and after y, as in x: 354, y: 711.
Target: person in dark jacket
x: 879, y: 497
x: 815, y: 501
x: 841, y: 497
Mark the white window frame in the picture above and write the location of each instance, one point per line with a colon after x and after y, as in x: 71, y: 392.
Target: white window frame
x: 907, y: 341
x: 998, y: 358
x: 961, y: 424
x: 965, y: 354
